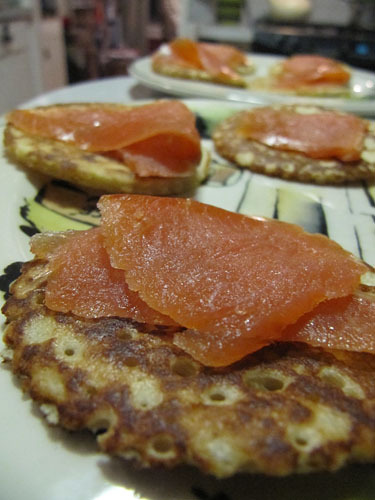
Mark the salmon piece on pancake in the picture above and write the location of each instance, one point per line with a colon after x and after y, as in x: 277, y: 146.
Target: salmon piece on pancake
x: 306, y: 74
x: 223, y: 274
x: 311, y: 69
x: 303, y: 143
x: 83, y: 282
x: 153, y: 148
x: 213, y: 62
x: 323, y: 134
x: 346, y: 323
x: 287, y: 408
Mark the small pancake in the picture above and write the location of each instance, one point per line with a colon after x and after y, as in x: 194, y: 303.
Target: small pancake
x: 290, y: 165
x: 285, y: 409
x: 163, y: 63
x: 92, y: 171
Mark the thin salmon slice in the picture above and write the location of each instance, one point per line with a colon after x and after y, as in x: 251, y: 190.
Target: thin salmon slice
x: 311, y: 70
x: 238, y: 279
x: 83, y: 282
x: 325, y: 134
x: 157, y: 139
x: 345, y: 323
x: 44, y: 245
x: 219, y: 60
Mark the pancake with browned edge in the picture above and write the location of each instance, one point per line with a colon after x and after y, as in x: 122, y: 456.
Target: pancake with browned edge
x: 91, y: 169
x: 287, y: 408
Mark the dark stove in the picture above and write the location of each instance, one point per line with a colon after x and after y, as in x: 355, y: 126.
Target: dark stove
x: 350, y: 44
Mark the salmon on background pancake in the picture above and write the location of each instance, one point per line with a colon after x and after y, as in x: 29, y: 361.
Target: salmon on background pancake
x: 286, y: 408
x: 303, y: 143
x: 212, y: 62
x: 306, y: 74
x: 152, y: 148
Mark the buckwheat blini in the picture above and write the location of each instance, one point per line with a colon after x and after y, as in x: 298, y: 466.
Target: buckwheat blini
x: 208, y: 62
x: 111, y: 148
x: 302, y: 143
x: 285, y: 408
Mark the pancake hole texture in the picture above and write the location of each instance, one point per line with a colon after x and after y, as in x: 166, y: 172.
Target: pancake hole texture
x: 144, y: 391
x: 68, y: 349
x: 263, y: 381
x: 102, y: 422
x: 162, y: 446
x: 131, y: 361
x: 221, y: 394
x: 301, y: 438
x: 336, y: 378
x: 127, y: 333
x: 327, y: 425
x: 101, y: 426
x: 184, y: 367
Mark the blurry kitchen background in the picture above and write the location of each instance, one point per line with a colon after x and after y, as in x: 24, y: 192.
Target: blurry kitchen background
x: 46, y: 44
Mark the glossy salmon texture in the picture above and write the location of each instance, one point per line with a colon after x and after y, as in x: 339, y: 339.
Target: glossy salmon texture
x: 82, y: 281
x: 346, y: 323
x: 322, y: 134
x: 158, y: 139
x: 310, y: 69
x: 233, y: 281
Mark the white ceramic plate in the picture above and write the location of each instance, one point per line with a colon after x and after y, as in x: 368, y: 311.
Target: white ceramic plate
x: 42, y: 463
x: 362, y: 82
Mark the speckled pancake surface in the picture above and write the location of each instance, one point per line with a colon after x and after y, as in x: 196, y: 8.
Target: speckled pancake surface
x: 266, y: 160
x: 288, y: 408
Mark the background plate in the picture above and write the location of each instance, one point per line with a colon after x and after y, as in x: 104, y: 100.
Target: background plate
x: 364, y: 104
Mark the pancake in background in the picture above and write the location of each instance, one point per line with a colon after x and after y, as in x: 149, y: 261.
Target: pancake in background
x: 210, y: 62
x: 275, y: 155
x: 302, y: 74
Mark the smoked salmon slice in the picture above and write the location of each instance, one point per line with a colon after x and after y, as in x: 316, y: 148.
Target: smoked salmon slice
x: 345, y: 323
x: 323, y: 134
x: 158, y: 139
x: 218, y: 60
x: 310, y: 69
x: 223, y: 276
x: 82, y: 281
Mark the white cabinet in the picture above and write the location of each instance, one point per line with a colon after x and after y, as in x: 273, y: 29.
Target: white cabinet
x: 32, y: 54
x: 16, y: 69
x: 53, y: 54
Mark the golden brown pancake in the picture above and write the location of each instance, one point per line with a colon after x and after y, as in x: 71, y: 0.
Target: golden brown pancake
x: 290, y: 165
x: 91, y: 171
x: 285, y: 409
